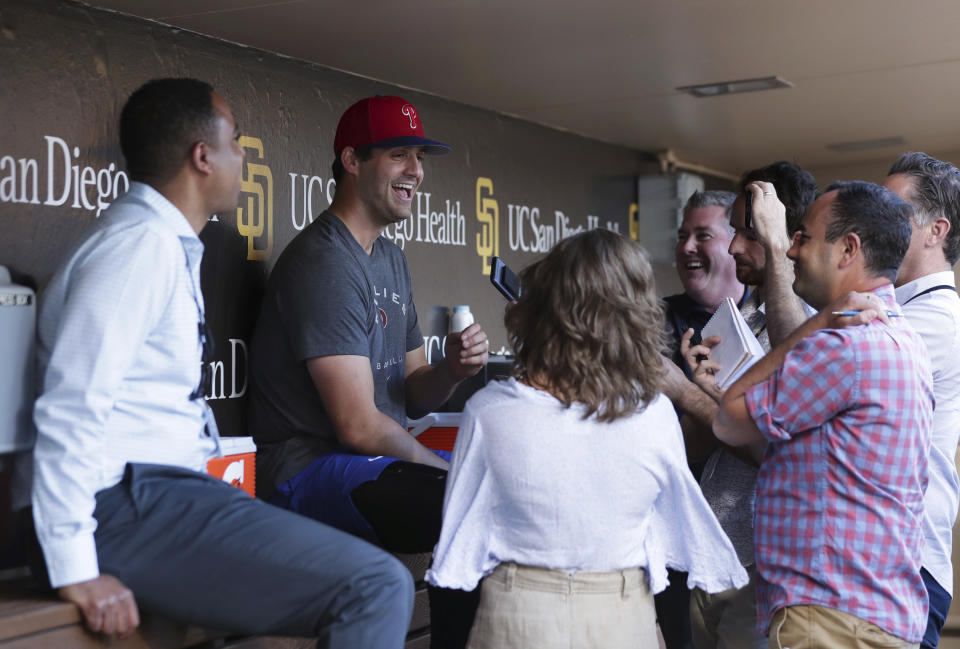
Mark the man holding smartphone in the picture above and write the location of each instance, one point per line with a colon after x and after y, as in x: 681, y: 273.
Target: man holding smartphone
x: 759, y: 245
x: 772, y: 310
x: 337, y: 362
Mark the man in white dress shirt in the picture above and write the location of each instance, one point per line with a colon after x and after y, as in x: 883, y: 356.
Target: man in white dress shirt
x: 926, y: 290
x: 124, y: 514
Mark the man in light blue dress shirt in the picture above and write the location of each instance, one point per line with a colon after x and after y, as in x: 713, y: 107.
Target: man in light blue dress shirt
x: 124, y: 514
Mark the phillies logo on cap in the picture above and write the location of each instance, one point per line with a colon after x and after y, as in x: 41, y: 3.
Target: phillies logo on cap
x: 384, y: 122
x: 410, y: 112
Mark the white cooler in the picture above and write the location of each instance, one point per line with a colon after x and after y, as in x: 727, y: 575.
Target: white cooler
x: 17, y: 359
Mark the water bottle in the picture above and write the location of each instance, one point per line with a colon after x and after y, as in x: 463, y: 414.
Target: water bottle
x: 461, y: 319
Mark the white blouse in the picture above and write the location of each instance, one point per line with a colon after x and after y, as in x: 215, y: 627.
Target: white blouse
x: 532, y: 482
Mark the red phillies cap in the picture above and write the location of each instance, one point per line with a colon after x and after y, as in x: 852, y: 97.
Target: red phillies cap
x: 383, y: 122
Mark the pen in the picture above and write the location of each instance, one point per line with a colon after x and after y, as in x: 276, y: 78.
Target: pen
x: 890, y: 314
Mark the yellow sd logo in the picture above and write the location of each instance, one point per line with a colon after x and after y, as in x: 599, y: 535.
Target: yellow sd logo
x: 634, y: 219
x: 255, y: 221
x: 488, y: 213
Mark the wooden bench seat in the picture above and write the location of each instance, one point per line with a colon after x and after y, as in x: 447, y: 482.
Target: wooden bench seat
x: 31, y: 618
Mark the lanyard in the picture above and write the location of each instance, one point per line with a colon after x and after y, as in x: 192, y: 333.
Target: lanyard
x: 929, y: 290
x: 206, y: 344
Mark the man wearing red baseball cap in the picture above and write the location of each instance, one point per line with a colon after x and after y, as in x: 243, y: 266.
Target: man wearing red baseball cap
x: 337, y: 362
x: 384, y: 122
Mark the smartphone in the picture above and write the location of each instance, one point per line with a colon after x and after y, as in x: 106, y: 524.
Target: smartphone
x: 748, y: 209
x: 504, y: 279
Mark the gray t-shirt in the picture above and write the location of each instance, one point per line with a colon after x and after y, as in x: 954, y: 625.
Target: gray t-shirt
x: 325, y: 297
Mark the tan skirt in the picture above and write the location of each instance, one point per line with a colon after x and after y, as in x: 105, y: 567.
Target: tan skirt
x: 533, y: 608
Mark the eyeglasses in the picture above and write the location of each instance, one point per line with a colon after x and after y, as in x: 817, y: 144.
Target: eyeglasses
x: 206, y: 372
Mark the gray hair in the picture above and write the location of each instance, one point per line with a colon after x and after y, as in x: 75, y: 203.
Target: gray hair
x: 712, y: 198
x: 936, y: 194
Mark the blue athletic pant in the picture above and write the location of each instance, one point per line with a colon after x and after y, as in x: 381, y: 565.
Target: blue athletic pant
x: 391, y: 502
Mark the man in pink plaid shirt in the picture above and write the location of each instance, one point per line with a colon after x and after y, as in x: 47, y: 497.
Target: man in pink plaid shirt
x: 846, y: 404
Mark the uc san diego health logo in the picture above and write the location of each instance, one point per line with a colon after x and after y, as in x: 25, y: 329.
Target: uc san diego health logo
x: 255, y: 214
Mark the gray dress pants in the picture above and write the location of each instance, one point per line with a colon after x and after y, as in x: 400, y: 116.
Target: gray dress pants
x: 199, y: 551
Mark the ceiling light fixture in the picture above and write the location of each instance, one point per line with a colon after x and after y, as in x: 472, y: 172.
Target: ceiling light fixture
x: 731, y: 87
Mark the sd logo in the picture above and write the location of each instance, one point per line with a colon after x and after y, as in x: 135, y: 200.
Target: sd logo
x: 255, y: 221
x: 488, y: 214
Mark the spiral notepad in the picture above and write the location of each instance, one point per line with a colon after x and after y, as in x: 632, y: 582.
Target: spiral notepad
x: 738, y: 348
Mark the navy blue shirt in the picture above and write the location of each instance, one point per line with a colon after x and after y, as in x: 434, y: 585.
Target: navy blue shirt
x: 682, y: 313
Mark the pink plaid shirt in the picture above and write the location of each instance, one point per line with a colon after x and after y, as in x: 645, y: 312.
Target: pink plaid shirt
x: 840, y: 491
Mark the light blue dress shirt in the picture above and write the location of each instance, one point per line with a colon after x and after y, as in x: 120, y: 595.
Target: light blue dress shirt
x: 119, y: 355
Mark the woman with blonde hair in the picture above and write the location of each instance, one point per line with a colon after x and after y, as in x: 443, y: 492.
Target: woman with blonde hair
x: 568, y: 492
